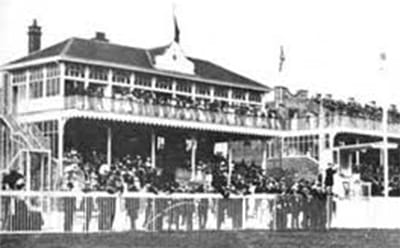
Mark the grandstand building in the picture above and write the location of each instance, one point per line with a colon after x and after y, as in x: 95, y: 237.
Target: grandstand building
x: 107, y: 101
x: 91, y: 94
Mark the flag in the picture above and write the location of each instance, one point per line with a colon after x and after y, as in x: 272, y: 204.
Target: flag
x: 281, y: 59
x: 176, y: 28
x: 383, y: 56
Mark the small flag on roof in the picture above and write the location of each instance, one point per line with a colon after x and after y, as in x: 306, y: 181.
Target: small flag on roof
x: 281, y: 59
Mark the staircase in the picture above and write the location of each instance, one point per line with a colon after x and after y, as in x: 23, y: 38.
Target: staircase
x: 15, y: 139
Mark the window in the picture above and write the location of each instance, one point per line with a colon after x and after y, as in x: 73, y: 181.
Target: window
x: 184, y: 86
x: 164, y: 83
x: 239, y: 94
x: 52, y: 71
x: 143, y: 79
x: 19, y: 77
x: 255, y: 96
x: 19, y: 92
x: 36, y: 74
x: 53, y: 80
x: 202, y: 89
x: 36, y: 89
x: 98, y: 73
x: 36, y: 83
x: 74, y: 70
x: 120, y: 76
x: 221, y: 92
x: 52, y: 87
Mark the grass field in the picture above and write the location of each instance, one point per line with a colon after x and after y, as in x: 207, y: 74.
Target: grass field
x: 210, y: 239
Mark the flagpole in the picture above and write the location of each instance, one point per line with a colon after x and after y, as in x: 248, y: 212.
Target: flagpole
x: 385, y: 118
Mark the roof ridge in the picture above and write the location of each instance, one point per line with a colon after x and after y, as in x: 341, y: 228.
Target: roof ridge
x: 67, y: 46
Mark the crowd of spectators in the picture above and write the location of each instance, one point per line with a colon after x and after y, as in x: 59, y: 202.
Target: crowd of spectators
x: 178, y: 101
x: 373, y: 174
x: 352, y: 108
x: 134, y: 173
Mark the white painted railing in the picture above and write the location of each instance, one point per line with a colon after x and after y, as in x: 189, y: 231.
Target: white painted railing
x: 61, y: 212
x: 138, y: 108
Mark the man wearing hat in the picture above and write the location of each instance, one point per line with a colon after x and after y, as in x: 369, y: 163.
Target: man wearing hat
x: 329, y: 173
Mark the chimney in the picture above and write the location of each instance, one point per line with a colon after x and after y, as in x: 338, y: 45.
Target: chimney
x: 100, y: 36
x: 34, y: 35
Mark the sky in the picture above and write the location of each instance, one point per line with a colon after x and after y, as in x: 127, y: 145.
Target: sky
x: 331, y: 47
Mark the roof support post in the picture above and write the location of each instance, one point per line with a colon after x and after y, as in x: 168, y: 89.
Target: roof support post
x: 62, y: 79
x: 230, y: 163
x: 357, y: 153
x: 153, y: 147
x: 385, y: 154
x: 264, y: 155
x: 193, y: 146
x: 61, y: 126
x: 28, y: 170
x: 109, y: 146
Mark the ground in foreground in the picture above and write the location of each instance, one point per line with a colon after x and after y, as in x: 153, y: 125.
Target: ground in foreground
x: 210, y: 239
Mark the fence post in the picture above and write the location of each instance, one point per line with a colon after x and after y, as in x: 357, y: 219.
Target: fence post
x: 328, y: 212
x: 244, y: 212
x: 274, y: 225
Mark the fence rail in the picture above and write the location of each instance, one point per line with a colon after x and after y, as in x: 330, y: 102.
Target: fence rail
x: 60, y: 212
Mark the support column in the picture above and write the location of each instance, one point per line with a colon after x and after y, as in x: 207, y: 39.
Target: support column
x: 230, y: 163
x: 350, y: 163
x: 109, y: 146
x: 49, y: 171
x: 193, y: 157
x: 42, y: 165
x: 385, y: 154
x: 60, y: 149
x: 264, y: 155
x: 357, y: 154
x: 28, y: 170
x: 153, y: 148
x: 62, y: 79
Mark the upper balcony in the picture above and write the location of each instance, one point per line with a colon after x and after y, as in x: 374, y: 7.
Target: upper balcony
x: 140, y: 108
x: 342, y: 122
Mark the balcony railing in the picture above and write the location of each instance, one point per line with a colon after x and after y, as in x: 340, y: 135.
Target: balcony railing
x: 138, y: 108
x: 340, y: 121
x: 170, y: 112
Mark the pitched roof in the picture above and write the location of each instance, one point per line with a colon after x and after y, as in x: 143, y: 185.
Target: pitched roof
x: 53, y: 50
x: 131, y: 56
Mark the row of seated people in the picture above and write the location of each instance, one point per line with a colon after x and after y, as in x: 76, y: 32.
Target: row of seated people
x: 134, y: 173
x: 352, y: 108
x: 199, y: 109
x: 332, y: 106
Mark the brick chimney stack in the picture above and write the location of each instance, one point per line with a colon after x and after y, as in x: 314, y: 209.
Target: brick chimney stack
x: 100, y: 36
x: 34, y: 36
